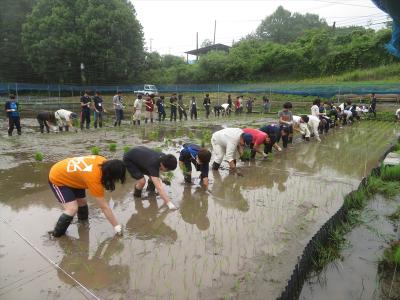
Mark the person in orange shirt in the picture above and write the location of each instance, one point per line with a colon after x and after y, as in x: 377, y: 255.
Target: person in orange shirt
x: 70, y: 178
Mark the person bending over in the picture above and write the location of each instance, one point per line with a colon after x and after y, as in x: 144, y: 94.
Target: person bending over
x: 70, y: 178
x: 64, y: 119
x: 199, y: 157
x: 141, y: 161
x: 44, y: 118
x: 259, y: 138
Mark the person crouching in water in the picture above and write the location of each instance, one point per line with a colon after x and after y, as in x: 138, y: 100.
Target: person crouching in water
x: 141, y: 161
x: 199, y: 157
x: 227, y: 143
x: 274, y: 133
x: 286, y: 123
x: 259, y: 138
x: 44, y: 118
x: 70, y: 178
x: 64, y: 119
x: 300, y: 125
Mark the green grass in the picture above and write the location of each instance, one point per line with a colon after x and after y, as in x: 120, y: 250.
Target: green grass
x: 153, y: 135
x: 391, y: 255
x: 158, y: 149
x: 38, y: 156
x: 396, y: 215
x: 95, y: 150
x: 112, y: 147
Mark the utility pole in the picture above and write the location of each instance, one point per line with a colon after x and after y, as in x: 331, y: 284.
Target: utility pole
x: 151, y: 42
x: 197, y: 44
x: 215, y: 29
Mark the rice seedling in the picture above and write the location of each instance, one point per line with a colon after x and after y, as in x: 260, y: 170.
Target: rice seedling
x: 95, y: 150
x: 246, y: 154
x: 126, y: 149
x: 112, y: 147
x: 38, y: 156
x: 395, y: 216
x: 168, y: 177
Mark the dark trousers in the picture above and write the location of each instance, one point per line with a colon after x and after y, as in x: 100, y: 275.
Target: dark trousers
x: 207, y: 111
x: 85, y: 117
x: 161, y: 116
x: 14, y: 121
x: 182, y: 113
x: 173, y: 113
x: 119, y: 115
x: 42, y: 124
x: 98, y: 118
x: 193, y: 113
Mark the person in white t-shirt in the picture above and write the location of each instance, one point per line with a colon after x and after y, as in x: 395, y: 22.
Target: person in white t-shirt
x: 137, y: 110
x: 300, y: 125
x: 64, y: 119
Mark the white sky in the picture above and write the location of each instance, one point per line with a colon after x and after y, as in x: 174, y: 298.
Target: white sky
x: 172, y: 25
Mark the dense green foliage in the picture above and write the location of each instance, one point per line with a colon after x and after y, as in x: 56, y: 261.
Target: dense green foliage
x: 104, y: 35
x: 47, y: 41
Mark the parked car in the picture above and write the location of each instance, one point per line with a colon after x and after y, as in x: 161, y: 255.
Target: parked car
x: 148, y: 89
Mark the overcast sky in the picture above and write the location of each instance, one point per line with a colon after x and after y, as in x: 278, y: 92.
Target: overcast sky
x: 172, y: 25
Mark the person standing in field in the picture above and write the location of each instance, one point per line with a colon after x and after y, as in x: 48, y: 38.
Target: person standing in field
x: 44, y: 118
x: 149, y: 103
x: 64, y: 119
x: 286, y: 121
x: 193, y: 108
x: 86, y: 102
x: 137, y: 110
x: 229, y: 143
x: 173, y: 102
x: 373, y: 104
x: 229, y: 105
x: 207, y: 105
x: 182, y: 108
x: 69, y: 178
x: 141, y: 161
x: 161, y: 109
x: 119, y: 108
x: 12, y: 110
x: 266, y: 104
x: 199, y: 157
x: 98, y: 110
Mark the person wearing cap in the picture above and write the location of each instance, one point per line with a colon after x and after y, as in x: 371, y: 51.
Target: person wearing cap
x: 44, y: 118
x: 199, y: 157
x: 274, y: 133
x: 69, y: 178
x: 140, y: 161
x: 259, y: 138
x: 12, y: 110
x: 227, y: 143
x: 64, y: 119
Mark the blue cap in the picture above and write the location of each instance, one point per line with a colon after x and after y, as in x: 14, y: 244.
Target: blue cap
x: 247, y: 138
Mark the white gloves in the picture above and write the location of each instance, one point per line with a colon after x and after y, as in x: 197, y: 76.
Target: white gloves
x: 171, y: 205
x: 265, y: 155
x: 118, y: 229
x: 279, y: 149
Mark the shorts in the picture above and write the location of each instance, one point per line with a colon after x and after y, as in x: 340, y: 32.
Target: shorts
x: 65, y: 194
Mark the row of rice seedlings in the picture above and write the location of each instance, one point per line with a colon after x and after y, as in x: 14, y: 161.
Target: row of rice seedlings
x: 112, y: 147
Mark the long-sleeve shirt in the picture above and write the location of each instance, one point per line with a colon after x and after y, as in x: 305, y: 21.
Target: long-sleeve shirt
x: 228, y: 138
x: 117, y: 102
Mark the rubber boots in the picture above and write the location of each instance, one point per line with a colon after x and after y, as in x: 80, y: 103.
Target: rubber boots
x: 83, y: 213
x: 215, y: 166
x: 188, y: 178
x: 150, y: 186
x: 137, y: 193
x: 62, y: 224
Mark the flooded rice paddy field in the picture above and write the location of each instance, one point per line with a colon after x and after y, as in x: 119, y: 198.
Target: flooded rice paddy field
x: 238, y: 239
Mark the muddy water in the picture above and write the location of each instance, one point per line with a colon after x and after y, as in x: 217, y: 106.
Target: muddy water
x: 239, y: 238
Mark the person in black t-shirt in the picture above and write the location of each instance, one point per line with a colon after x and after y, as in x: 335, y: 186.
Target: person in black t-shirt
x: 141, y: 161
x: 44, y: 118
x: 98, y: 110
x: 85, y: 112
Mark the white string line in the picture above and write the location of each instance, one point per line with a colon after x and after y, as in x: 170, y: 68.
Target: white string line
x: 51, y: 262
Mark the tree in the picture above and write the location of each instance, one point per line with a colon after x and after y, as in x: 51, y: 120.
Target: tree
x: 284, y: 27
x: 89, y: 41
x: 13, y: 63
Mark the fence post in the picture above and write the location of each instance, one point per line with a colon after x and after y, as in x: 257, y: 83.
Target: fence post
x: 16, y: 89
x: 218, y: 95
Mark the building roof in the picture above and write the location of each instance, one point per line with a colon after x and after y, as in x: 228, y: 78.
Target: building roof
x: 205, y: 50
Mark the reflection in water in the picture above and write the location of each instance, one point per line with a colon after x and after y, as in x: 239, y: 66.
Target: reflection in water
x: 194, y: 207
x: 148, y: 223
x: 95, y: 272
x: 227, y: 193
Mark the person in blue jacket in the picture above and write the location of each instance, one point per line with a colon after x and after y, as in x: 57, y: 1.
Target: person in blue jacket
x: 12, y: 110
x: 199, y: 157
